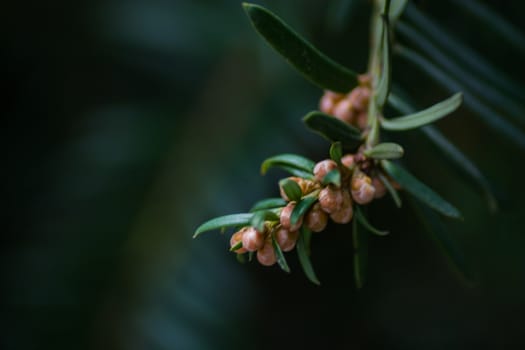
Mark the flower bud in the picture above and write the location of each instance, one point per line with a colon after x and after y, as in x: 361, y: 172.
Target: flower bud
x: 345, y: 214
x: 343, y: 110
x: 379, y: 186
x: 348, y: 160
x: 359, y: 98
x: 324, y: 167
x: 252, y: 239
x: 286, y: 215
x: 286, y: 239
x: 316, y: 219
x: 236, y: 238
x: 266, y: 255
x: 328, y: 101
x: 362, y: 190
x: 331, y: 199
x: 362, y: 120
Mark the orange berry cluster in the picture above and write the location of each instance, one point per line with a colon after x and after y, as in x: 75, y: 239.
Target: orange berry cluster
x: 359, y: 184
x: 351, y: 108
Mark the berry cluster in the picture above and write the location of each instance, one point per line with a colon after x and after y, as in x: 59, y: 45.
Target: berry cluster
x: 359, y: 181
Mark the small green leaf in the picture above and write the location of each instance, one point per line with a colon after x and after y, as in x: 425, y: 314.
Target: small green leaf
x: 302, y: 207
x: 364, y: 221
x: 241, y: 258
x: 391, y: 190
x: 420, y: 190
x: 289, y: 161
x: 292, y: 189
x: 281, y: 260
x: 336, y: 152
x: 223, y: 222
x: 424, y: 117
x: 236, y: 246
x: 333, y: 129
x: 260, y: 217
x: 396, y: 9
x: 268, y: 203
x: 453, y: 154
x: 360, y: 239
x: 387, y: 150
x: 297, y: 172
x: 303, y: 56
x: 332, y: 177
x: 303, y: 244
x: 383, y: 86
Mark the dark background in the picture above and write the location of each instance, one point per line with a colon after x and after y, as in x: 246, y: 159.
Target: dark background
x: 130, y: 122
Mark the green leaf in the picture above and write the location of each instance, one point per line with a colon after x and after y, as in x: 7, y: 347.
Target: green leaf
x: 427, y: 116
x: 488, y: 115
x: 333, y: 177
x: 236, y: 246
x: 391, y: 190
x: 360, y: 239
x: 291, y: 189
x: 440, y: 234
x: 336, y: 152
x: 396, y: 9
x: 303, y: 56
x: 288, y: 162
x: 364, y: 221
x: 303, y: 244
x: 302, y: 207
x: 387, y: 150
x: 420, y: 190
x: 224, y: 222
x: 281, y: 260
x: 333, y: 129
x: 383, y: 86
x: 260, y: 217
x: 453, y: 154
x: 268, y: 203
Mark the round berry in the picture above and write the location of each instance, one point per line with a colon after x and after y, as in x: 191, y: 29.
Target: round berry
x: 266, y: 255
x: 316, y: 219
x: 252, y: 239
x: 286, y: 215
x: 286, y: 239
x: 324, y: 167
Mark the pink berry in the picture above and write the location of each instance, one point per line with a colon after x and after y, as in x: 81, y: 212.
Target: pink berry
x: 236, y: 238
x: 330, y: 199
x: 362, y: 190
x: 286, y: 239
x: 345, y: 214
x: 348, y: 160
x: 316, y: 219
x: 266, y: 255
x: 252, y: 239
x: 343, y: 111
x: 324, y: 167
x: 286, y: 215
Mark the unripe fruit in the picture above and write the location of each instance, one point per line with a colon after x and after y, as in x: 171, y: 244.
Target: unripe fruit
x: 379, y: 186
x: 359, y: 98
x: 324, y: 167
x: 286, y: 215
x: 316, y: 219
x: 362, y: 190
x: 343, y: 110
x: 236, y: 238
x: 330, y: 199
x: 266, y: 255
x: 252, y: 239
x: 286, y: 239
x: 348, y: 160
x: 345, y: 214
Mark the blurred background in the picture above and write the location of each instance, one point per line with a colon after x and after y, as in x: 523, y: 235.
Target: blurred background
x: 130, y: 122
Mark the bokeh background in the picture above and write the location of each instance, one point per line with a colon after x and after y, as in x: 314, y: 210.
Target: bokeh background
x: 129, y: 122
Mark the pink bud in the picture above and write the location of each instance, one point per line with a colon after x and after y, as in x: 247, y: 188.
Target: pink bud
x: 328, y: 101
x: 330, y: 199
x: 236, y: 238
x: 345, y: 214
x: 266, y: 255
x: 362, y: 120
x: 343, y: 110
x: 286, y: 215
x: 362, y: 190
x: 252, y: 239
x: 359, y: 98
x: 348, y: 160
x: 316, y: 219
x: 286, y: 239
x: 324, y: 167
